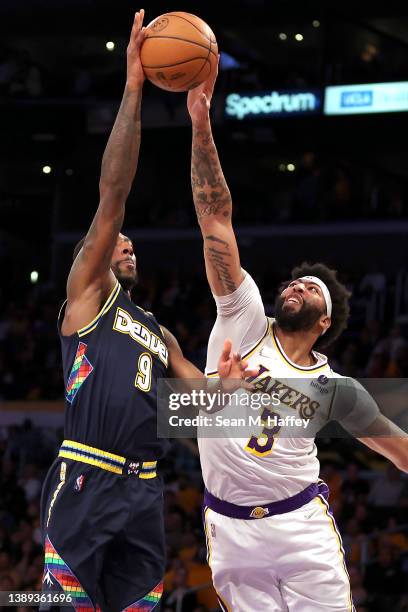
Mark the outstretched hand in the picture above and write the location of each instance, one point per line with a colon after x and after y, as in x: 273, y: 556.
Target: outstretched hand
x: 135, y: 74
x: 231, y: 367
x: 199, y: 98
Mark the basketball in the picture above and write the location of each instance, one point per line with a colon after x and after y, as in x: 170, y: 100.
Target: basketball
x: 179, y: 51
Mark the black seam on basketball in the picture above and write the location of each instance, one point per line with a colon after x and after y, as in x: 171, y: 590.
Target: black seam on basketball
x: 205, y: 61
x: 184, y: 40
x: 191, y: 59
x: 191, y: 23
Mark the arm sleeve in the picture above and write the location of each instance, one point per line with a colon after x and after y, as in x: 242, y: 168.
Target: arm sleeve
x: 353, y: 407
x: 241, y: 317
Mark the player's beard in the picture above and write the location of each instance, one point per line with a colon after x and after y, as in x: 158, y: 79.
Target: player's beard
x: 126, y: 281
x: 291, y: 321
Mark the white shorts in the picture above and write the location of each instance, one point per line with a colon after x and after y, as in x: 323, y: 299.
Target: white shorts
x: 292, y: 561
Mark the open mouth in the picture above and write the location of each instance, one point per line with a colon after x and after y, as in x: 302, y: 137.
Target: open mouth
x: 293, y: 300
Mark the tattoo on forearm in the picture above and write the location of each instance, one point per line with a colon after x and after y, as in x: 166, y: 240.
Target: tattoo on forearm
x: 122, y: 151
x: 118, y: 169
x: 210, y: 190
x: 217, y: 251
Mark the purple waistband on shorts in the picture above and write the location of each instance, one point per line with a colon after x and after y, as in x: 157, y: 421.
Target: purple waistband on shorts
x: 256, y: 512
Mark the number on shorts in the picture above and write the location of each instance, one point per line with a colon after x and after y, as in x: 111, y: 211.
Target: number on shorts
x: 143, y: 380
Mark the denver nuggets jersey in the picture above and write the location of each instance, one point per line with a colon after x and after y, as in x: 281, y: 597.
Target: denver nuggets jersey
x: 272, y: 464
x: 111, y: 368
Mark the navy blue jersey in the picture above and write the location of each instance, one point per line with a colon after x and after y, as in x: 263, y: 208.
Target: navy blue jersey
x: 111, y: 368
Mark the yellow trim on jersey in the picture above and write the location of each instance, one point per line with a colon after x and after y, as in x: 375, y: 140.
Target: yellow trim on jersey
x: 340, y: 544
x: 286, y: 360
x: 96, y: 462
x: 250, y: 352
x: 95, y: 451
x: 209, y: 549
x: 108, y: 304
x: 81, y: 452
x: 63, y: 474
x: 147, y: 476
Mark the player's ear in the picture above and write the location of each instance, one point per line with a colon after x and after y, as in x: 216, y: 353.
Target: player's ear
x: 325, y: 323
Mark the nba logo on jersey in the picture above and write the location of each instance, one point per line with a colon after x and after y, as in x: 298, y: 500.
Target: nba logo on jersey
x: 79, y: 483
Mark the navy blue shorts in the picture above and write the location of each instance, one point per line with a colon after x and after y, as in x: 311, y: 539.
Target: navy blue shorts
x: 103, y: 537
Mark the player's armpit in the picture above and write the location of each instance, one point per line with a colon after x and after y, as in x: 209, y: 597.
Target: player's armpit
x: 91, y: 268
x: 387, y: 439
x: 221, y: 256
x: 91, y: 279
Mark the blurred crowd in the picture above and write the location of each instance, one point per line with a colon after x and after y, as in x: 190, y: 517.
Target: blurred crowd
x: 30, y: 365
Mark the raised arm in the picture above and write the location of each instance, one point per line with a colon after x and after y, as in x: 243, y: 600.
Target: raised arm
x: 91, y: 279
x: 212, y: 198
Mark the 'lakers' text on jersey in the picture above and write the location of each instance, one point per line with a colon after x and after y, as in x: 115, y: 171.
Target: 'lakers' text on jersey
x: 111, y: 368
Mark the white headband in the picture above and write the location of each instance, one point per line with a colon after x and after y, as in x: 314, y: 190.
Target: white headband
x: 325, y: 291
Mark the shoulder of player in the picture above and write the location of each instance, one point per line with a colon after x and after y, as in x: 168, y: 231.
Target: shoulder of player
x: 79, y: 311
x: 146, y: 312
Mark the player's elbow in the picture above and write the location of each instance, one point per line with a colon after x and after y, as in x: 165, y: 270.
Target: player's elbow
x: 115, y: 192
x: 212, y: 225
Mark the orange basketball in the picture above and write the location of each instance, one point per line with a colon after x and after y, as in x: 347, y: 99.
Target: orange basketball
x: 179, y: 51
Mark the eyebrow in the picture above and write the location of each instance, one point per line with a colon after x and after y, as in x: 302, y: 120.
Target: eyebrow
x: 308, y: 283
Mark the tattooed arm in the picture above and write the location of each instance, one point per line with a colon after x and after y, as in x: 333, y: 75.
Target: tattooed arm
x: 212, y: 198
x: 91, y: 278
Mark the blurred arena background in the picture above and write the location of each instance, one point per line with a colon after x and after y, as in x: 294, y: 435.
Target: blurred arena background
x: 306, y: 186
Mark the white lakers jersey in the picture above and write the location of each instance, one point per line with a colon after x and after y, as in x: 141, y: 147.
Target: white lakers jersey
x: 274, y: 462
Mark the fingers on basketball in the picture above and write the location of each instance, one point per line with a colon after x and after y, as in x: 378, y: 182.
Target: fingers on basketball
x: 137, y: 24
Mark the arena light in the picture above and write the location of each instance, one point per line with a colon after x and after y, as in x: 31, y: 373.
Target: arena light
x: 282, y: 167
x: 299, y: 37
x: 110, y: 45
x: 47, y: 169
x: 34, y: 276
x: 291, y: 167
x: 283, y: 36
x: 316, y: 23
